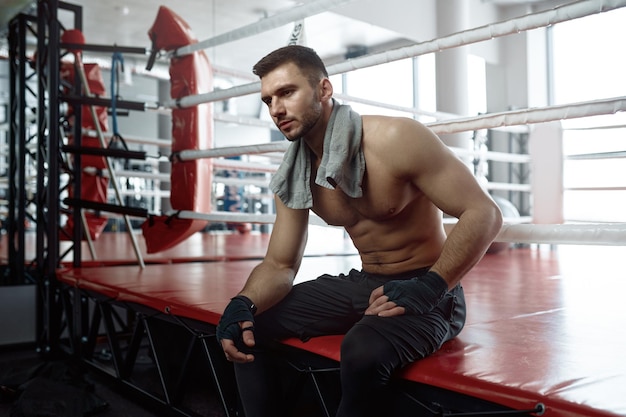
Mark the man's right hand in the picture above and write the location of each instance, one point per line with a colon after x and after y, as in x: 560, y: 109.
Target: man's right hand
x: 230, y: 350
x: 237, y: 323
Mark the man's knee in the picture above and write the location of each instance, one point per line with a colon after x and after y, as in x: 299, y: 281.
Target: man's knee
x: 366, y: 354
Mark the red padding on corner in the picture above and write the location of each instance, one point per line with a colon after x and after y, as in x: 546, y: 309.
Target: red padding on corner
x: 169, y: 31
x: 191, y: 180
x: 163, y: 232
x: 192, y: 129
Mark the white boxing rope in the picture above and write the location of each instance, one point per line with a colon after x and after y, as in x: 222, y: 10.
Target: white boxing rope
x: 517, y: 220
x: 271, y: 22
x: 530, y: 21
x: 608, y: 234
x: 213, y: 96
x: 505, y: 186
x: 506, y: 220
x: 598, y: 155
x: 531, y: 115
x: 483, y: 33
x: 595, y: 188
x: 243, y: 166
x: 242, y: 182
x: 234, y: 217
x: 143, y: 193
x: 281, y: 146
x: 484, y: 121
x: 229, y: 151
x: 492, y: 155
x: 156, y: 108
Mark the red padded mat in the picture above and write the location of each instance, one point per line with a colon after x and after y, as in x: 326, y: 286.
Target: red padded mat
x: 543, y: 325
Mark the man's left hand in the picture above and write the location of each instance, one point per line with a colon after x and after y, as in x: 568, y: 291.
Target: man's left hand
x: 381, y: 306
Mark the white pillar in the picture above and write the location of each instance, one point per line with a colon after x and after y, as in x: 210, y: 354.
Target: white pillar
x: 452, y: 68
x: 545, y: 145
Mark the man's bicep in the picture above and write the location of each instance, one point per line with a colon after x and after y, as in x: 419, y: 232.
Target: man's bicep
x: 448, y: 181
x: 289, y: 235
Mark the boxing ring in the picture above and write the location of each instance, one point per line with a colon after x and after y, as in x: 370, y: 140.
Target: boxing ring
x: 543, y: 335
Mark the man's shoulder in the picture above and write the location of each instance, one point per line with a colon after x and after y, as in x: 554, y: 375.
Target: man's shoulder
x: 378, y: 127
x: 376, y: 120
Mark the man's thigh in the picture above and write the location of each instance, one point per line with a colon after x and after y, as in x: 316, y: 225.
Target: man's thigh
x: 326, y: 305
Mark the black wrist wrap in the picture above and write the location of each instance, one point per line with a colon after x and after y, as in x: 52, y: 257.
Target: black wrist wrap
x: 240, y: 309
x: 417, y: 295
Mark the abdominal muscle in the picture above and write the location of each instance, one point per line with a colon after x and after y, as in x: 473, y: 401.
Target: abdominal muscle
x: 397, y: 238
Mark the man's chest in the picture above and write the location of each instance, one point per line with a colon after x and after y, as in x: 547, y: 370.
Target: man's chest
x: 383, y: 197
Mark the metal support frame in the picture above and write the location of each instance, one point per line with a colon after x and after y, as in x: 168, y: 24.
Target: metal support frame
x: 38, y: 157
x: 20, y: 140
x: 310, y: 374
x: 34, y: 152
x: 47, y: 194
x: 115, y: 334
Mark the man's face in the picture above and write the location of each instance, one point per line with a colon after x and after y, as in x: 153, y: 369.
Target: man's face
x: 293, y: 104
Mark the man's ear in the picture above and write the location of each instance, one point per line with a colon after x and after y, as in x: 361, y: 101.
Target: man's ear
x: 325, y: 89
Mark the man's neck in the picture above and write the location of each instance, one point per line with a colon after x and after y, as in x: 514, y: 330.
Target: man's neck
x: 315, y: 139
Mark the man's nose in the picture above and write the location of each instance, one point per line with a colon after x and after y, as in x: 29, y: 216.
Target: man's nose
x: 276, y: 108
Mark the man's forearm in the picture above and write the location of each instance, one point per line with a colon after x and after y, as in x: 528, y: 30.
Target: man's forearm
x: 268, y: 285
x: 467, y: 243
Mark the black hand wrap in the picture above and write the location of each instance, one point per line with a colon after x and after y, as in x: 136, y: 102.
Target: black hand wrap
x: 417, y: 295
x: 240, y: 308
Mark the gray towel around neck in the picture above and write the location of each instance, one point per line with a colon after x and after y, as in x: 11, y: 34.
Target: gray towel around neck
x: 342, y: 162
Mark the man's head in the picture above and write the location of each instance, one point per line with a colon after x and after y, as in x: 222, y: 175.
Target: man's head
x: 296, y: 89
x: 306, y: 59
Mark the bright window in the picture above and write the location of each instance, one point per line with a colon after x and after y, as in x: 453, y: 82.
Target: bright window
x: 390, y: 83
x: 589, y: 64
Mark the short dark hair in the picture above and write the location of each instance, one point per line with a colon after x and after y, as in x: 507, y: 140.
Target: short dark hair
x: 303, y: 57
